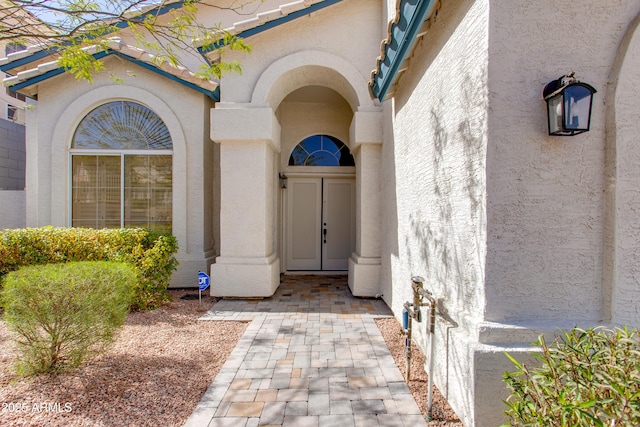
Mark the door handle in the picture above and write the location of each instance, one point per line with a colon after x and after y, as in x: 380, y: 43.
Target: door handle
x: 324, y: 232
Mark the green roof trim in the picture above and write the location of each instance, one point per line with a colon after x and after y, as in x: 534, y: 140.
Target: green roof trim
x: 213, y: 94
x: 403, y: 31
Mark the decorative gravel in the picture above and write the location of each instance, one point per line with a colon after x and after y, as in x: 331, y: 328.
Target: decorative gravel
x: 442, y: 413
x: 153, y: 375
x: 156, y: 371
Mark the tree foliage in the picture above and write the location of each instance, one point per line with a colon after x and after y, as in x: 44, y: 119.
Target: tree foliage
x: 72, y: 31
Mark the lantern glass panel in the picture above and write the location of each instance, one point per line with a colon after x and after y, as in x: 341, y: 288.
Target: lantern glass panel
x: 554, y: 109
x: 577, y: 105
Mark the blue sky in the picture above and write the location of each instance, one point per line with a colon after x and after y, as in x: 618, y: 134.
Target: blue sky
x: 59, y: 18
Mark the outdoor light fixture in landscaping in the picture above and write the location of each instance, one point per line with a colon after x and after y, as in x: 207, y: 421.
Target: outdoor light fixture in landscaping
x: 568, y: 105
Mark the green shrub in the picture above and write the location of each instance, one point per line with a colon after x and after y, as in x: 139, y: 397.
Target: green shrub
x: 63, y: 314
x: 151, y: 253
x: 586, y: 378
x: 153, y: 257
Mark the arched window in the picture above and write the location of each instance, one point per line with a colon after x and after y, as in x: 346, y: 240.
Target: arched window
x: 321, y: 150
x: 121, y: 157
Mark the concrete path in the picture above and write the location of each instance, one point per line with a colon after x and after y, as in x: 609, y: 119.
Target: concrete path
x: 311, y: 356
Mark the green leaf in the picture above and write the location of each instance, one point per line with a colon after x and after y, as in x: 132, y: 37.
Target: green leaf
x: 513, y: 360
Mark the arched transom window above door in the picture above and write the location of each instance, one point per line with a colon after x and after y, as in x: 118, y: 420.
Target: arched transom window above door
x: 121, y: 160
x: 321, y: 150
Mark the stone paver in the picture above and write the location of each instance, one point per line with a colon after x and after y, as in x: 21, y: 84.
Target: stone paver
x: 311, y: 356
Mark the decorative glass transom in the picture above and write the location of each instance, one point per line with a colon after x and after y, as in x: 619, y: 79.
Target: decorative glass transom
x: 122, y: 125
x: 321, y: 150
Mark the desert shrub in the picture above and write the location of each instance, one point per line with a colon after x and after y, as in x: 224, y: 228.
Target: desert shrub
x: 151, y: 253
x: 586, y: 378
x: 153, y: 257
x: 63, y: 314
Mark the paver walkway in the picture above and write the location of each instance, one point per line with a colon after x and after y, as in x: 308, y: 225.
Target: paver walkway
x: 312, y: 356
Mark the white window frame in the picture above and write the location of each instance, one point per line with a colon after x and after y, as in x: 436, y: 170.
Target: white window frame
x: 112, y: 153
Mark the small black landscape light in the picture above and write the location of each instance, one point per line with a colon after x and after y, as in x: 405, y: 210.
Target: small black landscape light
x: 568, y: 105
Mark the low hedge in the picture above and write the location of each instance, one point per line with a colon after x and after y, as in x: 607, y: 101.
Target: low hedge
x: 151, y: 254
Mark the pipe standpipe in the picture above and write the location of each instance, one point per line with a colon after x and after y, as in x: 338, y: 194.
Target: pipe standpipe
x: 420, y: 294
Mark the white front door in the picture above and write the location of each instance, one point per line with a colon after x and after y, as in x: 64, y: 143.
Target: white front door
x: 320, y: 223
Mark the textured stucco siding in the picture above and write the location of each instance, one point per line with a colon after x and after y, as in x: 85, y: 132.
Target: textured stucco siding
x: 622, y: 228
x: 345, y: 29
x: 545, y: 198
x: 12, y: 156
x: 435, y: 165
x: 64, y: 101
x: 508, y: 225
x: 434, y: 177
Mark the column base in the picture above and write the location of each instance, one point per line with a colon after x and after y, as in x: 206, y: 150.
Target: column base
x: 364, y: 276
x: 186, y: 275
x: 245, y: 277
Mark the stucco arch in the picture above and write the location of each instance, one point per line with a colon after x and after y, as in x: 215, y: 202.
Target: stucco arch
x: 311, y: 68
x: 79, y: 108
x: 622, y: 168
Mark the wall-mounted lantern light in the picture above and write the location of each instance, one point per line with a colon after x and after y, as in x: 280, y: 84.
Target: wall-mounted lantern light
x: 568, y: 105
x: 283, y: 180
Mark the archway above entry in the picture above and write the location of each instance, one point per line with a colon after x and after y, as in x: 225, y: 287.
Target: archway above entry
x: 309, y: 68
x: 321, y: 150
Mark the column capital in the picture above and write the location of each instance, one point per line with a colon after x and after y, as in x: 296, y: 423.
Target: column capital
x: 366, y: 128
x: 237, y: 123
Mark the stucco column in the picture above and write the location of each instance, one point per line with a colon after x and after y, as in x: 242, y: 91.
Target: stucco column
x: 366, y: 144
x: 248, y: 265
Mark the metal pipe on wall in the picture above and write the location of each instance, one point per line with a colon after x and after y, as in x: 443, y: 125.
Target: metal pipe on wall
x: 420, y: 293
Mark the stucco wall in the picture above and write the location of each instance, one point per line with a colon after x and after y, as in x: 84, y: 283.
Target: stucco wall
x: 12, y: 156
x: 434, y: 195
x: 63, y: 102
x: 622, y: 233
x: 508, y: 225
x: 332, y: 30
x: 318, y: 52
x: 546, y: 194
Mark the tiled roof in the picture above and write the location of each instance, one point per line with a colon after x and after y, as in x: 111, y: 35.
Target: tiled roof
x: 27, y: 78
x: 266, y: 20
x: 29, y: 68
x: 407, y: 25
x: 37, y: 52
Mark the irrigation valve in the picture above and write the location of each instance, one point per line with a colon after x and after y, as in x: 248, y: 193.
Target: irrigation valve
x: 420, y: 294
x: 422, y: 297
x: 412, y: 312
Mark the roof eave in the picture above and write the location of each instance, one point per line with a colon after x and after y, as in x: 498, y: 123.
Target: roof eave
x: 45, y: 51
x: 403, y: 32
x: 22, y: 85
